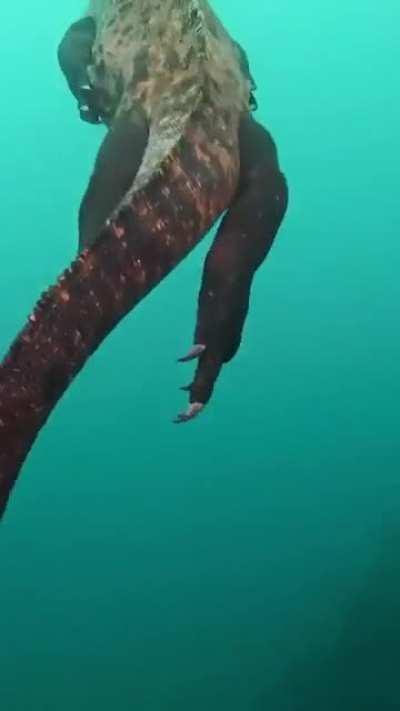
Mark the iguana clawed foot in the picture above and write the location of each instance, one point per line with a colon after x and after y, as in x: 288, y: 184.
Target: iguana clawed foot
x: 88, y: 110
x: 194, y: 408
x: 75, y: 55
x: 209, y: 365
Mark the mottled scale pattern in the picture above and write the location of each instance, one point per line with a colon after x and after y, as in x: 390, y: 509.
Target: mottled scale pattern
x: 166, y: 57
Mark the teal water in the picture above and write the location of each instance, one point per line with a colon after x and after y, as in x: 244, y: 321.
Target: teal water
x: 249, y: 561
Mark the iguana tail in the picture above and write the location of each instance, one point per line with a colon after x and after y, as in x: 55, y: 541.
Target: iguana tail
x: 150, y: 233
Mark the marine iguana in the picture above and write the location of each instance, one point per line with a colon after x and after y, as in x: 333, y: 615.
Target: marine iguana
x: 182, y: 149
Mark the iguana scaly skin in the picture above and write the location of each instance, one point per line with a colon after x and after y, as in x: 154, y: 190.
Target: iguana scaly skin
x: 174, y: 59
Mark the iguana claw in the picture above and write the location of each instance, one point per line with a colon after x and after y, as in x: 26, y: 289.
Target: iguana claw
x: 193, y: 410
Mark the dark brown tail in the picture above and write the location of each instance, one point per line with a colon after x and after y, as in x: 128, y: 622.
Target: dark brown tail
x: 147, y: 238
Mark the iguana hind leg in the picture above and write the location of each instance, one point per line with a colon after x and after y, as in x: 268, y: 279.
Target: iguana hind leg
x: 243, y: 241
x: 117, y: 163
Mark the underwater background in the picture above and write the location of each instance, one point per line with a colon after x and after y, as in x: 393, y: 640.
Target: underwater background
x: 249, y: 561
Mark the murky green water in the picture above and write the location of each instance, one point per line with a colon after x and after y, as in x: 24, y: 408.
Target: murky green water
x: 250, y: 561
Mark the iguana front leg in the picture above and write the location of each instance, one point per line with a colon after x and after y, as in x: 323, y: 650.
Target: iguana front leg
x: 242, y: 243
x: 74, y: 56
x: 122, y: 150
